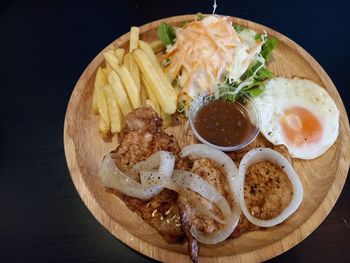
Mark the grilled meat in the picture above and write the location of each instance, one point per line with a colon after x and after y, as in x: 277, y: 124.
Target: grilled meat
x: 190, y: 216
x: 172, y: 214
x: 260, y: 141
x: 244, y: 225
x: 142, y: 136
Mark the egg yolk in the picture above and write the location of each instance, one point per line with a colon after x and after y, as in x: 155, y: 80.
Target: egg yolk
x: 300, y: 126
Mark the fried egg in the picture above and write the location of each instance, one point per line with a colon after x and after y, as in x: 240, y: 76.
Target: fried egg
x: 299, y: 114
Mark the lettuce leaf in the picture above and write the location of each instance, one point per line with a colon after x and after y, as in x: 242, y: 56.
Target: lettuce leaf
x: 166, y: 34
x: 238, y: 28
x: 261, y: 75
x: 200, y: 16
x: 268, y: 46
x: 254, y: 92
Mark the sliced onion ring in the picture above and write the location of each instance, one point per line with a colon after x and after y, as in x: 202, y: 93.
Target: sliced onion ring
x: 218, y: 156
x: 203, y: 209
x: 164, y: 161
x: 224, y: 233
x: 232, y: 175
x: 197, y: 184
x: 266, y: 154
x: 154, y: 161
x: 184, y: 179
x: 112, y: 177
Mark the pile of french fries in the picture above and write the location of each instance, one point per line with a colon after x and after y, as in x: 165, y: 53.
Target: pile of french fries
x: 130, y: 80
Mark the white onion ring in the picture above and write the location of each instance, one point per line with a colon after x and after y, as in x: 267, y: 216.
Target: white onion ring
x: 197, y: 184
x: 112, y: 177
x: 153, y: 161
x: 151, y: 177
x: 231, y: 171
x: 182, y: 179
x: 266, y: 154
x: 224, y: 233
x: 218, y: 156
x: 200, y: 207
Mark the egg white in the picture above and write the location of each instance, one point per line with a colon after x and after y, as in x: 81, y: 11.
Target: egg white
x: 283, y: 93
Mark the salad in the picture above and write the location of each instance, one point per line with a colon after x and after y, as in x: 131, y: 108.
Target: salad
x: 210, y: 53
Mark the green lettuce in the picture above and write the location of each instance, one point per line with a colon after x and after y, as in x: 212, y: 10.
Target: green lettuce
x: 238, y: 28
x: 269, y: 45
x: 166, y: 34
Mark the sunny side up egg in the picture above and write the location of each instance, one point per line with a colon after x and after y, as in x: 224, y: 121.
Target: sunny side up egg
x: 299, y: 114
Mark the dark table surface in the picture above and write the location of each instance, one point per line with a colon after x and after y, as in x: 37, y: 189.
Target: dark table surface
x: 45, y: 46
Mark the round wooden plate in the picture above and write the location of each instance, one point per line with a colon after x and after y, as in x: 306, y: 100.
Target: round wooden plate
x: 322, y: 178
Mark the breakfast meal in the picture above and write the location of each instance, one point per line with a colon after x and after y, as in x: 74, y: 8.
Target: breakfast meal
x: 234, y: 173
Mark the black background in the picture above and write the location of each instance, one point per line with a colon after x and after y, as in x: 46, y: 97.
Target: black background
x: 46, y: 45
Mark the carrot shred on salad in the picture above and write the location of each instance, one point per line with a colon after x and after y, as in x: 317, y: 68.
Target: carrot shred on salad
x: 209, y: 53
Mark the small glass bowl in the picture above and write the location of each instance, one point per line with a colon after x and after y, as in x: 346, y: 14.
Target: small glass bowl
x: 244, y: 101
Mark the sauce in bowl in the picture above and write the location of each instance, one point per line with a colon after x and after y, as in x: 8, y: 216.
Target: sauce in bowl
x: 223, y: 123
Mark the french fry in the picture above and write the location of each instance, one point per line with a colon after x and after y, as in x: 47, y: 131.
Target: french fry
x: 126, y: 78
x: 163, y: 90
x: 119, y: 93
x: 148, y: 50
x: 108, y: 69
x: 135, y: 72
x: 109, y: 52
x: 126, y: 60
x: 157, y: 46
x: 119, y: 53
x: 105, y: 71
x: 152, y: 56
x: 166, y: 119
x: 134, y: 38
x: 153, y: 105
x: 100, y: 81
x: 111, y: 58
x: 115, y: 115
x: 103, y: 128
x: 149, y: 92
x: 131, y: 88
x: 94, y: 103
x: 143, y: 95
x: 103, y: 109
x: 150, y: 95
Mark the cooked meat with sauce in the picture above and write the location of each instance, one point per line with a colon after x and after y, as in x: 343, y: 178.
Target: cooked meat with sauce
x: 161, y: 212
x: 173, y: 214
x: 213, y: 174
x: 242, y: 227
x: 260, y: 141
x: 267, y: 190
x: 190, y: 216
x: 142, y: 136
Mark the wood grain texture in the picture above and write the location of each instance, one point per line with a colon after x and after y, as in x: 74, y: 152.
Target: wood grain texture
x: 322, y: 178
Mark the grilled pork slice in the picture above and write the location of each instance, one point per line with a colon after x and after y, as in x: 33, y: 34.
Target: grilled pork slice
x: 141, y: 137
x: 260, y: 141
x: 214, y: 174
x: 187, y: 199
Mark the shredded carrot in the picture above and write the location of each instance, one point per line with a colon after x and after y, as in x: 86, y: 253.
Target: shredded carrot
x: 188, y: 84
x: 206, y: 46
x: 177, y: 66
x: 168, y: 55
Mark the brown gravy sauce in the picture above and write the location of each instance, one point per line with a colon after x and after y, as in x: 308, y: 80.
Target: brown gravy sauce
x: 223, y: 123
